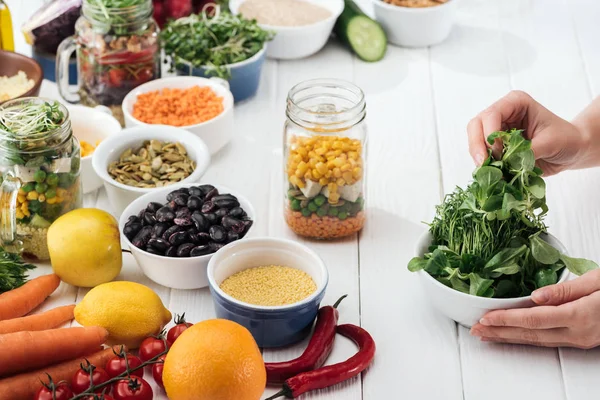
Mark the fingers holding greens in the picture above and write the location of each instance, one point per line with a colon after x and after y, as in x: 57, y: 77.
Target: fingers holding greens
x: 488, y: 239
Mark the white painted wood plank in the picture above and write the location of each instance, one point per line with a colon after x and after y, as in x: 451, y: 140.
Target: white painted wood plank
x: 404, y: 187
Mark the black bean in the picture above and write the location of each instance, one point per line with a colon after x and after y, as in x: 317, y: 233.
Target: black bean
x: 212, y: 193
x: 159, y: 229
x: 212, y: 218
x: 220, y: 213
x: 237, y: 212
x: 226, y: 203
x: 184, y: 221
x: 164, y: 214
x: 195, y: 191
x: 152, y: 250
x: 171, y: 251
x: 173, y: 229
x: 153, y: 207
x: 134, y: 218
x: 159, y: 244
x: 248, y: 224
x: 215, y: 246
x: 194, y: 203
x: 184, y: 249
x: 217, y: 233
x: 229, y: 222
x: 205, y: 189
x: 200, y: 251
x: 149, y: 219
x: 200, y: 221
x: 209, y: 206
x: 232, y: 237
x: 183, y: 212
x: 181, y: 199
x: 141, y: 214
x: 203, y: 237
x: 141, y: 239
x: 131, y: 229
x: 178, y: 238
x: 174, y: 193
x: 172, y: 205
x: 226, y: 196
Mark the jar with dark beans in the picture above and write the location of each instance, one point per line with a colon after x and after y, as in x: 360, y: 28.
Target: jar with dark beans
x: 193, y: 222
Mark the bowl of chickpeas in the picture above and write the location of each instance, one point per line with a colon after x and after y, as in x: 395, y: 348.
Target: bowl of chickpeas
x: 91, y: 126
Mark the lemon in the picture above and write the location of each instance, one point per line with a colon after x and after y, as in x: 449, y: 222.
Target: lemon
x: 85, y: 247
x: 129, y: 311
x: 214, y: 360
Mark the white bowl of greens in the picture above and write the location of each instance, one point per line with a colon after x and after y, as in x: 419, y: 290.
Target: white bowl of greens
x: 487, y: 247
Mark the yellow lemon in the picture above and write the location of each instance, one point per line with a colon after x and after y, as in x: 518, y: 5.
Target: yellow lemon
x: 85, y: 247
x: 214, y: 360
x: 129, y: 311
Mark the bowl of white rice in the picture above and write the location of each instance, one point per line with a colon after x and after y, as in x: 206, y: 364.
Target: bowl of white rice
x: 20, y: 76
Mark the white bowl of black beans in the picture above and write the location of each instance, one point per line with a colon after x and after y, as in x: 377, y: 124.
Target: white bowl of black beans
x: 172, y: 233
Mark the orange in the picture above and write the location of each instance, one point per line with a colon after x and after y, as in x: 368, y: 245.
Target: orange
x: 215, y: 359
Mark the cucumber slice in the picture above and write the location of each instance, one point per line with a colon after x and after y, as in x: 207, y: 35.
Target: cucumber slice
x: 364, y: 35
x: 39, y: 222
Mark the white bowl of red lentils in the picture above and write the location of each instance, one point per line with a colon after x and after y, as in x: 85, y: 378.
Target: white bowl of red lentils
x: 271, y: 286
x: 201, y: 106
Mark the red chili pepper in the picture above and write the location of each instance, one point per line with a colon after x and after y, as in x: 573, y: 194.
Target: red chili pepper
x: 336, y: 373
x: 316, y: 352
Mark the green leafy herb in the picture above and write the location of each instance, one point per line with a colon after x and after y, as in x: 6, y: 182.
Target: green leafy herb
x: 212, y: 42
x: 23, y: 121
x: 13, y: 271
x: 488, y: 238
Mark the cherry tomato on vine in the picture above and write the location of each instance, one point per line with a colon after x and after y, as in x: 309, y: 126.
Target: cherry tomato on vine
x: 151, y: 347
x: 132, y: 389
x: 99, y: 397
x: 157, y: 371
x: 61, y: 391
x: 117, y: 365
x: 81, y: 380
x: 177, y: 330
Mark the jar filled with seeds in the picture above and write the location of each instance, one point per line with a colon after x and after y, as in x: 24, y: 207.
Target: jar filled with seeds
x: 325, y: 141
x: 39, y: 165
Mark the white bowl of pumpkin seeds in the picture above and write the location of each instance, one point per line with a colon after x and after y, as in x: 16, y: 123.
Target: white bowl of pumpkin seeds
x: 142, y: 159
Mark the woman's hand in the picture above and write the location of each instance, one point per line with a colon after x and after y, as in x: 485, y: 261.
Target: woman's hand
x: 557, y: 144
x: 568, y: 315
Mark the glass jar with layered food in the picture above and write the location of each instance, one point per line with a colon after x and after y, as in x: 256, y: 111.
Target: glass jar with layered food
x: 117, y: 50
x: 324, y: 161
x: 39, y: 165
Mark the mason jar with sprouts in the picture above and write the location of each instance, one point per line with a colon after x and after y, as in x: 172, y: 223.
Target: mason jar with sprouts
x: 325, y: 140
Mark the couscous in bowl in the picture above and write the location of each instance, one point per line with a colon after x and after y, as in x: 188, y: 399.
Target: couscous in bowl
x: 271, y: 326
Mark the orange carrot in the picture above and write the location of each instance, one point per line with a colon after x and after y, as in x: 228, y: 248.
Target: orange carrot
x: 39, y: 322
x: 22, y: 351
x: 22, y: 300
x: 178, y: 107
x: 24, y: 386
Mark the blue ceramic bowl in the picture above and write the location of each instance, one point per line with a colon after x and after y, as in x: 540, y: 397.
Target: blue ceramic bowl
x: 245, y: 75
x: 271, y: 326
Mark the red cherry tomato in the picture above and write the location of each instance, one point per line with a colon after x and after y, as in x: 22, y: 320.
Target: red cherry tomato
x: 81, y: 380
x: 151, y: 347
x: 157, y: 371
x: 177, y: 330
x: 117, y: 365
x: 145, y: 75
x: 61, y: 392
x: 132, y: 389
x: 116, y: 77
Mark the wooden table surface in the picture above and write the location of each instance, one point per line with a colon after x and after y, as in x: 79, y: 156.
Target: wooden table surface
x: 419, y: 103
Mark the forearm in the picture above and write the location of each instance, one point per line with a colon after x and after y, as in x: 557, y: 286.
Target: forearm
x: 588, y: 123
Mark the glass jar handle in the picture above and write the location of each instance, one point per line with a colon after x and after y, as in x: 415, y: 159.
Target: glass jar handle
x: 63, y: 56
x: 8, y: 223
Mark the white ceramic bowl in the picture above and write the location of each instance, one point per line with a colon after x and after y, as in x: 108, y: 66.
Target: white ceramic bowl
x: 91, y: 125
x: 120, y: 195
x: 216, y: 132
x: 463, y: 308
x: 176, y: 273
x: 293, y: 42
x: 416, y: 27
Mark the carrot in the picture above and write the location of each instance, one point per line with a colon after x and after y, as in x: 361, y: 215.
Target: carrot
x: 39, y: 322
x: 22, y: 300
x: 24, y: 386
x: 22, y: 351
x: 178, y: 107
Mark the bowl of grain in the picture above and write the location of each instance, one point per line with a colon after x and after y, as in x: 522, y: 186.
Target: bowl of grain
x: 302, y: 26
x: 20, y: 76
x: 271, y: 286
x: 416, y: 23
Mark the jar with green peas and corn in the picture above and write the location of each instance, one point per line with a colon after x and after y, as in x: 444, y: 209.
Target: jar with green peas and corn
x: 39, y: 165
x: 325, y: 139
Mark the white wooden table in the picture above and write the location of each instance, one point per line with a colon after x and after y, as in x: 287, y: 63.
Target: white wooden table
x: 419, y: 102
